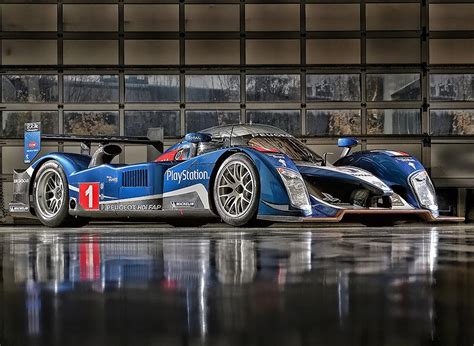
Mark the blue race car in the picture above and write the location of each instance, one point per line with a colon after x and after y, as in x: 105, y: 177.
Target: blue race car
x: 238, y: 173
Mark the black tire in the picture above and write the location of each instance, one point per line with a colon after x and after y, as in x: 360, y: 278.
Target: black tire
x: 47, y: 214
x: 244, y: 194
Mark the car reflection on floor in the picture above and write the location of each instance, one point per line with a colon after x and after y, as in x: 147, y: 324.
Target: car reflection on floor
x: 233, y: 287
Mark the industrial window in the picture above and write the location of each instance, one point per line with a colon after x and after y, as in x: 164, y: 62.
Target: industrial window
x: 287, y: 120
x: 333, y: 87
x: 274, y: 17
x: 29, y: 88
x: 452, y: 87
x: 393, y: 87
x: 333, y: 122
x: 272, y: 52
x: 151, y: 17
x: 138, y: 122
x: 152, y: 88
x: 393, y: 50
x: 91, y: 88
x: 451, y: 51
x: 212, y: 17
x: 90, y: 52
x: 91, y: 123
x: 90, y: 17
x: 393, y: 121
x: 333, y: 51
x: 452, y: 122
x: 215, y: 52
x: 199, y: 120
x: 151, y: 52
x: 393, y: 16
x: 212, y: 88
x: 28, y: 17
x: 273, y: 88
x: 445, y: 17
x: 332, y: 17
x: 13, y: 122
x: 29, y: 52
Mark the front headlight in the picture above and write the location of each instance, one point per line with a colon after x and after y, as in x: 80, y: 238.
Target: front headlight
x: 296, y: 189
x: 424, y: 190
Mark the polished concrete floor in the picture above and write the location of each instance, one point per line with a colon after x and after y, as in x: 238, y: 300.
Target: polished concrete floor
x: 140, y: 285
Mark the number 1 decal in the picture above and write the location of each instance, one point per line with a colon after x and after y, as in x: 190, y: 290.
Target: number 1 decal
x: 89, y: 196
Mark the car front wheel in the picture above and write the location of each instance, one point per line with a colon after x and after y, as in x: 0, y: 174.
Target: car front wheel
x: 237, y: 190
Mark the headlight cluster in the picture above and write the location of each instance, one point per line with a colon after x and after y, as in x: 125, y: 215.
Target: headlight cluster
x: 424, y: 190
x: 296, y: 189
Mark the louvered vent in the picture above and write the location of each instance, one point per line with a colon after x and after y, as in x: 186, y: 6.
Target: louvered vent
x: 137, y: 177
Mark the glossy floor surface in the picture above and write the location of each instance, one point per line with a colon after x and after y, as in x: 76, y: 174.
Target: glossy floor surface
x: 136, y: 285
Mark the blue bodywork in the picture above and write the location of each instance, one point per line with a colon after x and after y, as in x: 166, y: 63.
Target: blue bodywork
x: 181, y: 181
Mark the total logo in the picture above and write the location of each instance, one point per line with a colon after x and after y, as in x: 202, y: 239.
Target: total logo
x: 186, y: 175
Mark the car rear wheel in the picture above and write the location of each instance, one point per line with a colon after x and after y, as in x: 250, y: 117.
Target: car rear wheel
x: 51, y: 195
x: 237, y: 190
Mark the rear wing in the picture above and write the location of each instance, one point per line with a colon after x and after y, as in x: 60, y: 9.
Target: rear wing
x: 33, y: 138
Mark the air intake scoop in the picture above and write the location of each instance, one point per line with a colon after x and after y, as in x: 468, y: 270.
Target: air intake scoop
x: 105, y: 154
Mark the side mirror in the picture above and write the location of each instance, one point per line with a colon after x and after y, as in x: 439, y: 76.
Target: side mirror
x: 347, y: 143
x: 196, y: 137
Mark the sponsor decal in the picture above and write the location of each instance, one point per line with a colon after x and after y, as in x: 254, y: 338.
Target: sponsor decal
x: 18, y: 209
x: 178, y: 155
x: 89, y: 196
x: 112, y: 179
x: 283, y: 162
x: 182, y: 204
x: 130, y: 207
x: 20, y: 181
x: 32, y: 141
x: 32, y: 145
x: 186, y: 175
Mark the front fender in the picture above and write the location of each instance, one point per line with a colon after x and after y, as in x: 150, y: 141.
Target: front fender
x: 394, y: 170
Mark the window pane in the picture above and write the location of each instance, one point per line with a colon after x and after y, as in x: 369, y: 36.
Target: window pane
x: 91, y: 123
x: 29, y: 17
x: 393, y: 121
x: 213, y: 88
x: 13, y: 122
x: 333, y: 87
x: 288, y: 120
x: 393, y: 87
x: 451, y: 17
x: 452, y: 87
x: 151, y: 52
x: 199, y: 120
x: 216, y: 52
x: 152, y: 88
x: 29, y: 52
x: 90, y: 52
x: 266, y: 17
x: 151, y: 17
x: 333, y: 51
x: 212, y: 17
x: 333, y: 122
x: 273, y: 88
x: 452, y: 122
x: 90, y: 17
x: 393, y: 50
x: 272, y: 52
x: 332, y: 17
x: 91, y: 88
x: 393, y: 16
x: 29, y: 88
x: 138, y: 122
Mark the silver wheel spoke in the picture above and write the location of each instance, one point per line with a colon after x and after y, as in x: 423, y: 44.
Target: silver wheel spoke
x: 235, y: 189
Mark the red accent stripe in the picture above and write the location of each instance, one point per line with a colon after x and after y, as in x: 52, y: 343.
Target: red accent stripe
x: 168, y: 156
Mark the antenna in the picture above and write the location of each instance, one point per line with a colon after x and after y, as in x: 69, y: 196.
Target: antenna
x: 231, y: 133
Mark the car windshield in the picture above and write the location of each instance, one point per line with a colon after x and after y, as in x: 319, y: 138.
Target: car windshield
x: 289, y: 146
